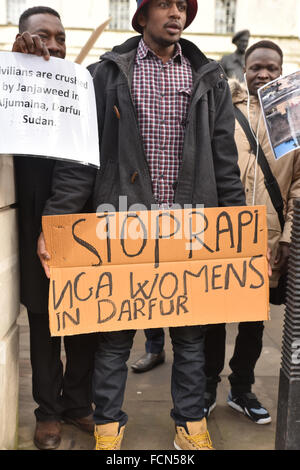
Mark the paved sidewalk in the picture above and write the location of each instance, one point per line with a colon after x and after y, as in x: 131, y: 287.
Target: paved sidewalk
x: 148, y: 400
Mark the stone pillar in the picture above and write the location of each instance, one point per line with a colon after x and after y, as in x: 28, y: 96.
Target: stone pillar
x: 9, y: 307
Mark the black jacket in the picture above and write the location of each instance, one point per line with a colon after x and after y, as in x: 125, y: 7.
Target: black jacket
x: 33, y: 177
x: 209, y: 172
x: 33, y: 185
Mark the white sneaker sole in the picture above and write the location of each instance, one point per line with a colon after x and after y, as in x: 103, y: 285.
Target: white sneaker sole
x: 241, y: 410
x: 211, y: 408
x: 177, y: 446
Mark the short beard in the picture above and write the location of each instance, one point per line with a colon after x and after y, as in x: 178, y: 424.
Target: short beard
x: 163, y: 42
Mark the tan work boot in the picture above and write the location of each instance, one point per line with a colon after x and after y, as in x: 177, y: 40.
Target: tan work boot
x: 197, y: 437
x: 108, y: 436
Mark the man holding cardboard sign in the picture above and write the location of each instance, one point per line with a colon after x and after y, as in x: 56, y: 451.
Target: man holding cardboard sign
x: 59, y: 394
x: 121, y: 281
x: 166, y: 136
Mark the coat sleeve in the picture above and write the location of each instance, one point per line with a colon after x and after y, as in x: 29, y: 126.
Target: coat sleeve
x: 72, y: 186
x: 225, y: 155
x: 72, y: 183
x: 294, y: 192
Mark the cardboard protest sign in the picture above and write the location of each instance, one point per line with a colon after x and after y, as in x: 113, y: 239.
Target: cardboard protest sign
x: 47, y: 108
x: 280, y: 103
x: 118, y: 271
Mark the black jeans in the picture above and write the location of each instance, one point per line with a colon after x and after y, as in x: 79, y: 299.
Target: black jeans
x: 59, y: 392
x: 155, y: 340
x: 247, y: 350
x: 188, y: 377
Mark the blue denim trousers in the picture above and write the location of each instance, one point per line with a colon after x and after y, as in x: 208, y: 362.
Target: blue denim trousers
x: 155, y: 340
x: 188, y: 380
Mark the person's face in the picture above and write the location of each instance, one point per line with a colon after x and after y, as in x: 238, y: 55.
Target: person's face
x: 164, y: 21
x: 262, y: 66
x: 51, y: 31
x: 242, y: 43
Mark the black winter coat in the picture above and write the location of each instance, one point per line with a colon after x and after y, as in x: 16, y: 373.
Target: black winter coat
x: 209, y: 172
x: 33, y: 184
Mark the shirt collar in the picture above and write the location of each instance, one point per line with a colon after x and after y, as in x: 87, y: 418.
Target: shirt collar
x: 143, y: 51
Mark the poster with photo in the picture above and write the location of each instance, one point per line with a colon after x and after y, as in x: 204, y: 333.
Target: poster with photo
x: 280, y: 103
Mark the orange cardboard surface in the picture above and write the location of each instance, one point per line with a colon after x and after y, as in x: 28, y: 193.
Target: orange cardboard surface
x: 128, y: 270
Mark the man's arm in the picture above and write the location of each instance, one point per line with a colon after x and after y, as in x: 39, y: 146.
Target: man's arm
x: 72, y: 185
x: 229, y: 185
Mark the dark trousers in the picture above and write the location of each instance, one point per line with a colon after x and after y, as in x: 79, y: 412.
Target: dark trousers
x: 155, y: 340
x: 58, y: 392
x: 188, y: 377
x: 247, y: 350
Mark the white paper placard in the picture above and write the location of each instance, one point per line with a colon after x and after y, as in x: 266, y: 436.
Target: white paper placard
x: 47, y: 108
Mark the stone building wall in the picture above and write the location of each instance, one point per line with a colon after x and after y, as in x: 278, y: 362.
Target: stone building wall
x: 9, y: 307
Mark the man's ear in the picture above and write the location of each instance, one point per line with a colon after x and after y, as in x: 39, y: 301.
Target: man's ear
x: 141, y: 19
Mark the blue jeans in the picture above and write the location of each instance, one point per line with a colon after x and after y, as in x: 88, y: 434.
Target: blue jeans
x: 155, y: 340
x: 188, y: 378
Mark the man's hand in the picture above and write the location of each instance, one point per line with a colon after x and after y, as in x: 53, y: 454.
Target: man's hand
x: 282, y: 257
x: 43, y: 254
x: 30, y: 44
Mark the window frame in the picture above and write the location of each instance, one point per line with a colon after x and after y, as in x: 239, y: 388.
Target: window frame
x: 14, y: 8
x: 225, y: 16
x: 119, y: 11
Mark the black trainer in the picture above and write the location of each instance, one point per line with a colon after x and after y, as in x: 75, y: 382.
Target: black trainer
x: 209, y: 403
x: 248, y: 404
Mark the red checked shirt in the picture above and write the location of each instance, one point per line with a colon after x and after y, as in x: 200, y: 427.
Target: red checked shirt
x: 161, y: 94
